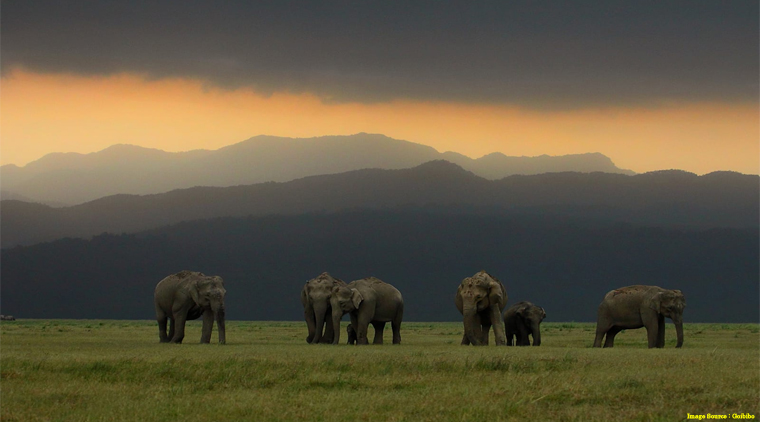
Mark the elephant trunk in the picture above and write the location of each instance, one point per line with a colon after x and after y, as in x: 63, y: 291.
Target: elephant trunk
x: 320, y: 309
x: 536, y: 333
x: 337, y: 315
x: 308, y: 314
x: 679, y: 332
x: 219, y: 317
x: 472, y: 327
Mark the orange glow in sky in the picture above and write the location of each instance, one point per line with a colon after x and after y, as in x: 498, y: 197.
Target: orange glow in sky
x: 41, y: 114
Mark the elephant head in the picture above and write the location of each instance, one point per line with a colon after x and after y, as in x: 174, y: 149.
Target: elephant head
x: 208, y: 293
x: 342, y: 301
x: 532, y: 316
x: 671, y: 303
x: 316, y: 296
x: 476, y: 294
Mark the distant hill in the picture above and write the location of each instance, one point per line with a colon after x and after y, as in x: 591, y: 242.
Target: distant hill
x: 73, y: 178
x: 5, y: 195
x: 667, y: 198
x: 565, y: 264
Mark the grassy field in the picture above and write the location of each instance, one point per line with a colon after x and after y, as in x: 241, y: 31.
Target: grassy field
x: 105, y: 370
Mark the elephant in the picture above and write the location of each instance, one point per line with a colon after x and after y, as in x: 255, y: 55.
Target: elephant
x: 315, y: 298
x: 351, y: 333
x: 185, y: 296
x: 523, y: 319
x: 7, y: 318
x: 481, y: 299
x: 640, y: 306
x: 369, y: 300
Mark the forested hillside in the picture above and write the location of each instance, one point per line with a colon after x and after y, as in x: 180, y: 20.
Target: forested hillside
x: 564, y: 264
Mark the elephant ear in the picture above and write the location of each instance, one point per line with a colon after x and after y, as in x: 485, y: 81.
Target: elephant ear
x: 194, y: 289
x: 356, y: 298
x: 657, y: 301
x: 670, y: 298
x: 522, y: 310
x: 543, y: 312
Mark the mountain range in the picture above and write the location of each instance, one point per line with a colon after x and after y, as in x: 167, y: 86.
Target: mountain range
x: 270, y: 213
x: 665, y: 198
x: 72, y: 178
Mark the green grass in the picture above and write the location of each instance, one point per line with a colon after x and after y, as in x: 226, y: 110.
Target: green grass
x: 63, y: 370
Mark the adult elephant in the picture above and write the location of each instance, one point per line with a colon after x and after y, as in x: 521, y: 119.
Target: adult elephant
x: 315, y: 298
x: 368, y: 301
x: 481, y: 299
x: 523, y: 319
x: 185, y: 296
x: 640, y: 306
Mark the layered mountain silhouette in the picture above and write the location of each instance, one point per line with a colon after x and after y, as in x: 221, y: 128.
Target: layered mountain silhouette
x: 72, y: 178
x: 666, y: 198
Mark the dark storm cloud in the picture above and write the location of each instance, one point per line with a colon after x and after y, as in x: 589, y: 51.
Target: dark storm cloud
x: 544, y: 54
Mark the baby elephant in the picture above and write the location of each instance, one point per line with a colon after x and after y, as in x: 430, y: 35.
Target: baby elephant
x: 522, y: 319
x: 351, y: 334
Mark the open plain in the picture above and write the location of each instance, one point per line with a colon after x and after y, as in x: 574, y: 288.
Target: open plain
x: 110, y: 370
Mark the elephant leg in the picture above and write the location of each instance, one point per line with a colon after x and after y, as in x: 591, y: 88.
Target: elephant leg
x: 611, y: 333
x: 171, y: 329
x: 465, y: 340
x: 522, y: 334
x: 323, y: 331
x: 396, y: 327
x: 651, y: 324
x: 362, y: 328
x: 660, y: 332
x: 379, y: 328
x: 498, y: 327
x: 208, y: 326
x: 601, y: 329
x: 486, y: 330
x: 179, y: 326
x: 311, y: 324
x: 509, y: 334
x: 329, y: 329
x: 162, y: 318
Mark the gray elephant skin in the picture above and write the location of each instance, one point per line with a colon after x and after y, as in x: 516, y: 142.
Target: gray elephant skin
x: 317, y: 311
x: 481, y: 299
x: 521, y: 320
x: 640, y: 306
x: 189, y: 295
x: 368, y: 301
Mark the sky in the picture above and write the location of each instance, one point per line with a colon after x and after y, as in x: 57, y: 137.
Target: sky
x: 652, y: 85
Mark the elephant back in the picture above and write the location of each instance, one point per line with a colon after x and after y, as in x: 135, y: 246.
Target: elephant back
x: 377, y: 285
x: 633, y: 292
x: 175, y: 279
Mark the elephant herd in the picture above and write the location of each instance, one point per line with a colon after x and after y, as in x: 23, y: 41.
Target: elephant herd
x: 480, y: 299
